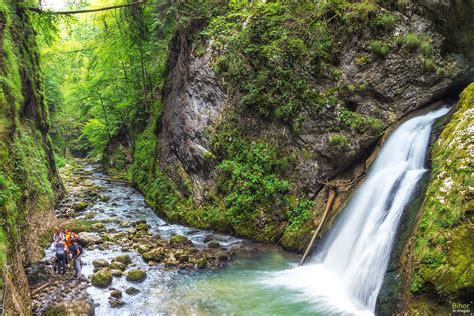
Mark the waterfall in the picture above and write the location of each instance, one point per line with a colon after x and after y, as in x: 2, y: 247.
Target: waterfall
x: 345, y: 274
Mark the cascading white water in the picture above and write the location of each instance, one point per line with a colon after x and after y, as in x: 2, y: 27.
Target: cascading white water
x: 346, y: 273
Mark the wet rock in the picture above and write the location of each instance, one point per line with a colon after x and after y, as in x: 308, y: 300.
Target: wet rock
x: 38, y: 272
x: 223, y: 257
x: 208, y: 238
x: 80, y: 206
x: 117, y: 266
x: 157, y: 254
x: 102, y: 278
x: 132, y: 291
x: 97, y: 227
x: 143, y: 248
x: 104, y: 198
x: 100, y: 263
x: 87, y: 239
x: 178, y: 240
x: 125, y: 224
x: 213, y: 244
x: 71, y: 307
x: 136, y: 275
x: 116, y: 293
x: 125, y: 259
x: 142, y: 227
x: 116, y: 273
x: 201, y: 263
x: 115, y: 302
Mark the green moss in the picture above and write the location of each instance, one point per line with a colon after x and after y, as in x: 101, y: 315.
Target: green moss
x: 443, y: 246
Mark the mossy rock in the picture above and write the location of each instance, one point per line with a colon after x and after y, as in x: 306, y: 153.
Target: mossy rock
x: 177, y: 240
x: 97, y: 227
x: 80, y: 206
x: 157, y: 254
x: 142, y: 227
x: 102, y: 278
x: 136, y: 275
x: 117, y: 266
x: 100, y: 263
x: 201, y: 263
x: 116, y: 293
x: 132, y: 291
x: 125, y: 259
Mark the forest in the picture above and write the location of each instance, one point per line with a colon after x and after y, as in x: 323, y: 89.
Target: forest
x: 236, y: 157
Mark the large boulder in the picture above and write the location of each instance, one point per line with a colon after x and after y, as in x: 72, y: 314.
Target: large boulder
x: 100, y: 263
x: 179, y: 240
x: 87, y: 239
x: 136, y: 275
x: 125, y: 259
x: 102, y: 278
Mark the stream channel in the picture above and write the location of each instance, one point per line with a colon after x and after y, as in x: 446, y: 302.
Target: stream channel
x: 240, y: 288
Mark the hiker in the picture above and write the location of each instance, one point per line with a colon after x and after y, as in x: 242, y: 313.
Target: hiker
x: 60, y: 264
x: 58, y: 235
x: 76, y: 251
x: 69, y: 236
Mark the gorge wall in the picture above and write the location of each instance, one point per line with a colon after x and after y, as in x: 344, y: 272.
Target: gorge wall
x: 257, y: 121
x: 29, y: 182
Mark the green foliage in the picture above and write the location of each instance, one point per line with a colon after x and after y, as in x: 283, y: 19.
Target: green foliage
x: 379, y: 48
x: 250, y: 183
x: 411, y: 41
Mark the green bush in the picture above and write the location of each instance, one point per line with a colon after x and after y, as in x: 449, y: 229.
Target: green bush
x: 379, y: 48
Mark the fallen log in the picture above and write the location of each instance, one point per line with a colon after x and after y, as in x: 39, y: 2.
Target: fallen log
x: 39, y: 10
x: 41, y: 287
x: 332, y: 195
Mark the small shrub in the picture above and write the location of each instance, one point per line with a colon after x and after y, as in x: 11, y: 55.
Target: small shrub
x: 384, y: 22
x: 411, y: 41
x: 428, y: 64
x: 338, y: 140
x: 425, y: 48
x: 379, y: 48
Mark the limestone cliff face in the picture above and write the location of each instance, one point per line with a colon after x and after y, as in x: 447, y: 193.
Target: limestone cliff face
x: 28, y: 179
x: 193, y: 99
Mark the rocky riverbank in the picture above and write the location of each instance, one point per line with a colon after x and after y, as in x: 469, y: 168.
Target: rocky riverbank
x: 124, y: 241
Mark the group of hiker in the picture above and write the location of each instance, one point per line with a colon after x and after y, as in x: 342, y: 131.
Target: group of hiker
x: 67, y: 250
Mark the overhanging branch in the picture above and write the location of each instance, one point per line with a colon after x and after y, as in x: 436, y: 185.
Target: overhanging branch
x: 38, y: 10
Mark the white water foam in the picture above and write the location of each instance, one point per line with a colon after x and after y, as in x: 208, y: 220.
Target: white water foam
x: 346, y: 273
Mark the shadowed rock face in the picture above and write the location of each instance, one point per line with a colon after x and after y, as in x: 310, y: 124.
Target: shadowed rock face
x: 453, y: 18
x: 394, y: 86
x: 193, y: 99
